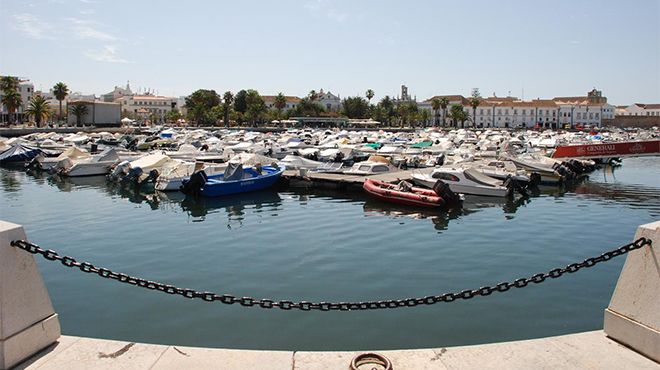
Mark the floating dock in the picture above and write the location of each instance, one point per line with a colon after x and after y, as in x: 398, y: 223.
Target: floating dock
x: 338, y: 181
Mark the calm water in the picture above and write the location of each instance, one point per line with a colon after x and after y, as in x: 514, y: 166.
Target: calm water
x: 334, y: 247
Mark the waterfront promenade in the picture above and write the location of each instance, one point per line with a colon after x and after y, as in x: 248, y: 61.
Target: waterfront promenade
x: 590, y: 350
x: 30, y: 331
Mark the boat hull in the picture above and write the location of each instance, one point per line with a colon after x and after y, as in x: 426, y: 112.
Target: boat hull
x: 215, y: 187
x: 417, y: 197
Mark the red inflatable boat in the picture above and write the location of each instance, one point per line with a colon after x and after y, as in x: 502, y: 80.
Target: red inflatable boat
x: 407, y: 195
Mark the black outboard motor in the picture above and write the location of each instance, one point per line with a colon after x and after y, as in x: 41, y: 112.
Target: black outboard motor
x: 513, y: 185
x: 440, y: 160
x: 194, y: 185
x: 35, y: 163
x: 534, y: 179
x: 442, y: 189
x: 133, y: 176
x: 151, y: 177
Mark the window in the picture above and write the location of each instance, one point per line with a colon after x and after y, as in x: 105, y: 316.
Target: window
x: 481, y: 111
x: 524, y: 112
x: 596, y: 115
x: 515, y: 111
x: 506, y: 111
x: 591, y: 116
x: 499, y: 111
x: 380, y: 169
x: 445, y: 176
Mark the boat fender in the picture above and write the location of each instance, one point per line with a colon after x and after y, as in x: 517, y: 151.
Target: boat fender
x: 442, y: 189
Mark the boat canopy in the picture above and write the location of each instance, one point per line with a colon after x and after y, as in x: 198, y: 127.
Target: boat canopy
x: 422, y: 144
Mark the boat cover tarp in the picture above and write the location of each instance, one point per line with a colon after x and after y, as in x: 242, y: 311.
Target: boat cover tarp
x: 296, y: 162
x: 480, y: 178
x: 107, y: 156
x: 233, y: 172
x: 422, y: 144
x: 150, y: 162
x: 19, y: 152
x: 252, y: 159
x: 73, y: 153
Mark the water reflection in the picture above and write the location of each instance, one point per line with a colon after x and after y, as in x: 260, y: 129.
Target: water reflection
x: 234, y: 206
x: 441, y: 217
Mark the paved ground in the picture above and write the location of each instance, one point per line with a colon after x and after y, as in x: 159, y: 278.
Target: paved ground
x: 590, y: 350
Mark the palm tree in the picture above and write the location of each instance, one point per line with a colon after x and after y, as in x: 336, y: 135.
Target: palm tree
x: 474, y: 103
x: 78, y: 110
x: 9, y: 83
x: 444, y: 102
x: 435, y: 104
x: 280, y: 103
x: 458, y: 114
x: 12, y: 100
x: 60, y: 90
x: 39, y: 109
x: 228, y: 99
x: 369, y: 94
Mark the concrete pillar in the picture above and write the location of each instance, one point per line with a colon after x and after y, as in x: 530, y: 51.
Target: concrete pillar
x: 28, y: 322
x: 633, y: 316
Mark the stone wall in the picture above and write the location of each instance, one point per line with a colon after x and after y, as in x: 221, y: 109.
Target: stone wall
x: 633, y: 121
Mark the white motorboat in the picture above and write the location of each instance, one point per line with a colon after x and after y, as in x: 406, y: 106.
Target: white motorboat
x: 98, y: 164
x: 373, y: 166
x: 464, y: 181
x: 294, y: 162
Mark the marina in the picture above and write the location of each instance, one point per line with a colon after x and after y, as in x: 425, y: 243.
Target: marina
x: 319, y: 236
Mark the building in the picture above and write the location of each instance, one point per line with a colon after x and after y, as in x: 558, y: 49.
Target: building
x: 26, y: 89
x: 99, y: 113
x: 329, y: 101
x: 512, y: 112
x: 117, y: 93
x: 291, y: 101
x: 146, y: 106
x: 639, y: 109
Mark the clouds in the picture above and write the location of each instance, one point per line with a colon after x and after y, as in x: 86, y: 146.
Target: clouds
x: 107, y: 54
x: 31, y: 26
x: 326, y: 9
x: 85, y: 30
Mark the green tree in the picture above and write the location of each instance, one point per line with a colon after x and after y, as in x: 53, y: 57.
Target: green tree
x: 355, y: 107
x: 11, y: 100
x: 9, y: 83
x: 435, y: 104
x: 369, y: 94
x: 199, y: 105
x: 240, y: 105
x: 172, y: 116
x: 458, y: 114
x: 60, y: 90
x: 227, y: 100
x: 387, y: 105
x: 424, y: 116
x: 280, y: 103
x: 39, y: 109
x: 444, y: 103
x: 78, y: 110
x: 308, y: 108
x: 474, y: 103
x: 256, y: 107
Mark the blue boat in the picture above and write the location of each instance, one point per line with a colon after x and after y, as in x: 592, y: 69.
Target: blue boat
x: 19, y: 153
x: 235, y: 180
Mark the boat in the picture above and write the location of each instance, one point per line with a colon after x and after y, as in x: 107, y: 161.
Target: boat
x: 98, y: 164
x: 464, y: 181
x: 18, y: 152
x: 175, y: 172
x: 234, y: 180
x: 406, y: 194
x: 372, y: 166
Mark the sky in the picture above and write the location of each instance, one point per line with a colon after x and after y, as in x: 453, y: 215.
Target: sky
x: 528, y: 49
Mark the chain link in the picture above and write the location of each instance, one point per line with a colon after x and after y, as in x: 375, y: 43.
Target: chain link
x: 67, y: 261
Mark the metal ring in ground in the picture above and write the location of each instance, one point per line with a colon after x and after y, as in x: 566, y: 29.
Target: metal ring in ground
x: 370, y: 358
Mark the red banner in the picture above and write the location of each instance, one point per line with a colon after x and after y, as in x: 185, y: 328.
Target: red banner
x: 627, y: 149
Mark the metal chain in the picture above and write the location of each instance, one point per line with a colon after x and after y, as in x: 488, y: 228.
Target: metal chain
x: 51, y: 255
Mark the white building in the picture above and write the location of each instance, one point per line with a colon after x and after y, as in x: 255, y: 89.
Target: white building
x: 143, y: 106
x: 328, y: 101
x: 26, y: 89
x: 291, y: 101
x: 639, y: 109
